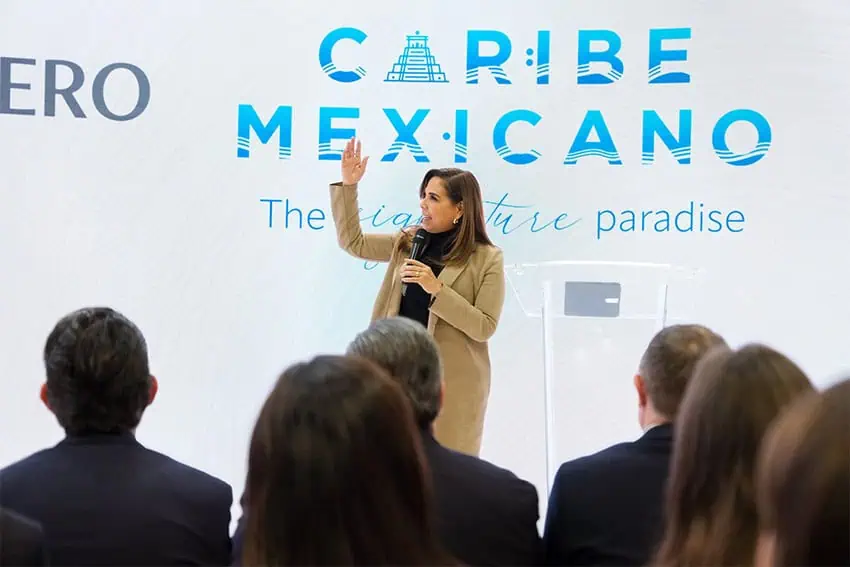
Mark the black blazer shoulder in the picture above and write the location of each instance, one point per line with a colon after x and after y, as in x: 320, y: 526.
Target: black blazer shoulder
x: 605, y: 508
x: 486, y: 514
x: 21, y: 540
x: 175, y: 513
x: 654, y: 445
x: 70, y: 452
x: 205, y: 484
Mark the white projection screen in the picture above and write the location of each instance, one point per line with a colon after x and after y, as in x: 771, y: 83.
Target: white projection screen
x: 171, y: 160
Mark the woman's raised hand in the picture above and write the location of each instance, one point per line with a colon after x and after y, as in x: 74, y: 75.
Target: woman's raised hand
x: 352, y: 166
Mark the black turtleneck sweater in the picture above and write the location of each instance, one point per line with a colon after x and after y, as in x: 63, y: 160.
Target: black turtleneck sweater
x: 416, y: 302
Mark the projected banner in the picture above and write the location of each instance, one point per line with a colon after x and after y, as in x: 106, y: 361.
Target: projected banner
x: 588, y: 60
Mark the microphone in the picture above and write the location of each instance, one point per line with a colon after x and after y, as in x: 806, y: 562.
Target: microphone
x: 417, y: 247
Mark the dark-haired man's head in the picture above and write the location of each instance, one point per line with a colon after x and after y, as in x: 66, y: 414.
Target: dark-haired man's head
x: 407, y: 352
x: 665, y: 368
x: 98, y: 379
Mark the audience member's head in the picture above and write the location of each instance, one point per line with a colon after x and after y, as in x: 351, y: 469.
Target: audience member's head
x: 731, y: 400
x: 98, y: 380
x: 665, y: 368
x: 336, y: 474
x: 407, y: 352
x: 804, y: 484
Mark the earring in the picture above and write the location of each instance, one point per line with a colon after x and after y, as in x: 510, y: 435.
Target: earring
x: 454, y: 221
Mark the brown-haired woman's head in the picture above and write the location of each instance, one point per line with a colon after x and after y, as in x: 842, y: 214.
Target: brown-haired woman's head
x: 731, y: 400
x: 336, y: 474
x: 804, y: 484
x: 450, y: 198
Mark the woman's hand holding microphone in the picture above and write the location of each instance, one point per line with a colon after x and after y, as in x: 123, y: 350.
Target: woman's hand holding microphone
x: 414, y: 271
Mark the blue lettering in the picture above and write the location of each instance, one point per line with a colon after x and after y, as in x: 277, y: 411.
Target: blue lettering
x: 658, y: 55
x: 502, y: 216
x: 716, y: 224
x: 271, y: 203
x: 373, y: 219
x: 689, y: 214
x: 476, y: 61
x: 504, y: 224
x: 553, y: 223
x: 583, y: 147
x: 721, y: 148
x: 498, y: 204
x: 679, y: 146
x: 461, y: 135
x: 608, y: 225
x: 327, y: 132
x: 500, y: 134
x: 592, y: 138
x: 316, y: 215
x: 691, y: 219
x: 608, y: 56
x: 534, y: 220
x: 280, y: 122
x: 738, y: 218
x: 289, y: 211
x: 406, y: 135
x: 402, y: 220
x: 326, y: 55
x: 564, y: 216
x: 542, y: 57
x: 504, y: 221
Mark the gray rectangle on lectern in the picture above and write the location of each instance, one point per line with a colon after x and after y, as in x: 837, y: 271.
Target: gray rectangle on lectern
x: 592, y: 299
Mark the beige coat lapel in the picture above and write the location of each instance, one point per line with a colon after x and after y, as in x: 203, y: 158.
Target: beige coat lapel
x: 448, y: 276
x: 394, y: 296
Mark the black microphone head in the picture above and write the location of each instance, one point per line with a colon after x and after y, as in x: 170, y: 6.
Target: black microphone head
x: 417, y: 246
x: 420, y: 239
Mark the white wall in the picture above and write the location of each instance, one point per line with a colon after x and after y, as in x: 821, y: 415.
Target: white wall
x: 157, y: 217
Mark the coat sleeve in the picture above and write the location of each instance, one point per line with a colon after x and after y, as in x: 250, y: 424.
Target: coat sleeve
x: 346, y: 216
x: 479, y: 320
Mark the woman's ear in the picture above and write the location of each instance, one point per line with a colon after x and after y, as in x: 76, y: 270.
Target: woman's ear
x: 459, y: 213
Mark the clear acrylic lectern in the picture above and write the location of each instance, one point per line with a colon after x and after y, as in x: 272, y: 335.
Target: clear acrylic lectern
x: 596, y: 319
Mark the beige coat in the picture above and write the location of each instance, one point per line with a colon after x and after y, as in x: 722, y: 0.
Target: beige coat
x: 464, y: 315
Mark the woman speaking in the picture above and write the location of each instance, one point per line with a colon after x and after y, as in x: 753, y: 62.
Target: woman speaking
x: 456, y: 290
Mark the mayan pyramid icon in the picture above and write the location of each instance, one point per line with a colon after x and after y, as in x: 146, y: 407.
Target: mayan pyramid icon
x: 416, y: 64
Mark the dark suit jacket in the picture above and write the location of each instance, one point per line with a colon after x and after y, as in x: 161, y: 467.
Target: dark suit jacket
x: 107, y: 500
x: 486, y: 515
x: 21, y: 541
x: 606, y: 508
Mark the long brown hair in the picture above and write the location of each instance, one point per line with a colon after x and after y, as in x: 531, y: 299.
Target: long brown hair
x: 336, y: 473
x: 710, y: 509
x: 804, y: 481
x: 461, y: 187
